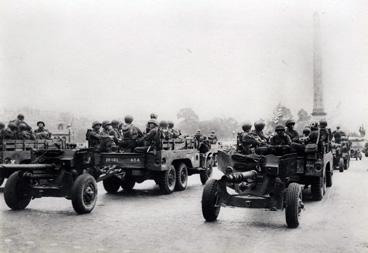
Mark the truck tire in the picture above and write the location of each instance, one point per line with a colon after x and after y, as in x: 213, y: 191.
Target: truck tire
x: 181, y: 177
x: 1, y: 181
x: 84, y: 194
x: 167, y: 180
x: 341, y: 165
x: 207, y: 173
x: 16, y: 193
x: 328, y: 179
x: 294, y: 205
x: 127, y: 184
x: 111, y: 184
x: 317, y: 188
x: 210, y: 209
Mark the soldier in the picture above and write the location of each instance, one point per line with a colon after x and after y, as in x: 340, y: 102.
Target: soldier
x: 294, y: 136
x: 324, y: 132
x: 247, y: 140
x: 153, y: 116
x: 24, y: 133
x: 2, y: 130
x: 94, y: 136
x: 280, y: 138
x: 164, y: 129
x: 258, y: 132
x: 115, y: 124
x: 10, y: 133
x: 337, y: 134
x: 305, y: 138
x: 131, y: 133
x: 20, y: 119
x: 152, y: 138
x: 197, y: 138
x: 41, y: 132
x: 212, y: 138
x: 173, y: 133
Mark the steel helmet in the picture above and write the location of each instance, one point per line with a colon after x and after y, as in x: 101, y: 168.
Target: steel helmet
x: 2, y: 125
x: 153, y: 116
x: 22, y: 126
x: 20, y: 116
x: 41, y: 122
x: 290, y: 122
x: 106, y: 123
x: 153, y: 121
x: 170, y: 124
x: 12, y: 125
x: 128, y: 119
x: 246, y: 127
x: 279, y: 128
x: 95, y: 123
x: 115, y: 123
x: 259, y: 125
x: 323, y: 123
x: 163, y: 124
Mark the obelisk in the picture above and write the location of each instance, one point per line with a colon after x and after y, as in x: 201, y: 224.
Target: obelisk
x: 318, y: 107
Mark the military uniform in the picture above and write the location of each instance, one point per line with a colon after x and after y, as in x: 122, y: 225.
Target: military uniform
x: 280, y: 140
x: 41, y: 132
x: 150, y: 139
x: 212, y: 138
x: 259, y: 136
x: 249, y: 143
x: 294, y: 136
x: 130, y: 135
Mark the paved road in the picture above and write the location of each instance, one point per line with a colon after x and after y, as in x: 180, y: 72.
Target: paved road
x: 148, y: 222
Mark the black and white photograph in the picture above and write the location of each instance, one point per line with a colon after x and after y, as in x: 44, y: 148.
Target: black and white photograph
x: 161, y: 126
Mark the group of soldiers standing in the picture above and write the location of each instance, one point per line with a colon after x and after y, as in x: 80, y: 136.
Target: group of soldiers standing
x: 125, y: 136
x: 316, y: 133
x: 19, y: 129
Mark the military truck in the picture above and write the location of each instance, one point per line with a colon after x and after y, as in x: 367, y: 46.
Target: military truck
x: 259, y: 181
x: 169, y: 166
x: 357, y: 145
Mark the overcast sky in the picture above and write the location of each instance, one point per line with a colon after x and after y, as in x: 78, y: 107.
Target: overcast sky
x: 227, y: 58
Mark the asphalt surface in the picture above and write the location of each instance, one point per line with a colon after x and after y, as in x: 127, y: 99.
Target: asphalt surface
x: 146, y: 221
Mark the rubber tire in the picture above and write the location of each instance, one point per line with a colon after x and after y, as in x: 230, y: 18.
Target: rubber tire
x: 329, y: 180
x: 341, y: 165
x: 317, y: 189
x: 1, y: 181
x: 111, y: 184
x: 12, y: 195
x: 181, y: 168
x: 78, y: 188
x: 127, y: 184
x: 210, y: 211
x: 163, y: 181
x: 292, y: 201
x: 206, y: 174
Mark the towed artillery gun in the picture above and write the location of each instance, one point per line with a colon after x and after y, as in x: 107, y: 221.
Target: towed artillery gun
x: 259, y: 181
x: 74, y: 173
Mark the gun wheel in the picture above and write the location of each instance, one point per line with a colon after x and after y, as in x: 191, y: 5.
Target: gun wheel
x: 207, y: 173
x: 84, y: 194
x: 111, y: 184
x: 16, y: 192
x: 127, y: 184
x: 210, y: 198
x: 294, y: 205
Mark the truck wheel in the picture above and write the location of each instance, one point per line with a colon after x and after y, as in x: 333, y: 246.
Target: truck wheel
x: 294, y: 205
x: 181, y: 177
x: 341, y: 165
x: 1, y: 181
x: 167, y: 180
x: 206, y: 174
x: 16, y: 192
x: 328, y: 179
x: 127, y: 184
x: 84, y: 194
x: 317, y: 188
x: 210, y: 196
x: 111, y: 184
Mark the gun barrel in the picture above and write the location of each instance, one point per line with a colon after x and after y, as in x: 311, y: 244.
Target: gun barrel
x: 238, y: 177
x: 27, y: 166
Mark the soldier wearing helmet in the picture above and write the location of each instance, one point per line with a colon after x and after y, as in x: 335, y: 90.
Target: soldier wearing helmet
x: 280, y: 138
x: 41, y: 132
x: 212, y: 138
x: 325, y: 133
x: 130, y: 134
x: 152, y: 138
x: 24, y: 133
x: 305, y: 138
x: 294, y: 136
x: 10, y: 133
x: 247, y: 142
x: 108, y: 138
x: 94, y: 136
x: 258, y: 132
x: 163, y: 125
x: 173, y: 133
x: 153, y: 116
x: 19, y: 120
x: 337, y: 134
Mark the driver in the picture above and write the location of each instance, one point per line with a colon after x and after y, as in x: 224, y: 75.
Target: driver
x: 280, y: 138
